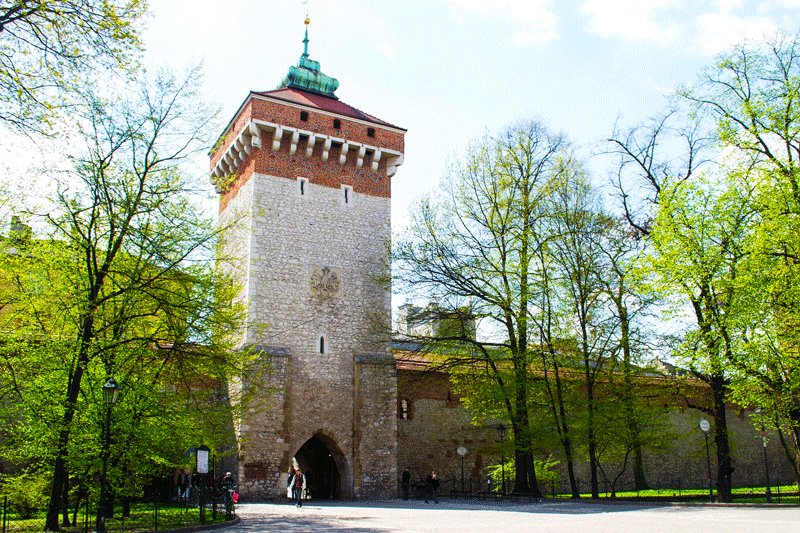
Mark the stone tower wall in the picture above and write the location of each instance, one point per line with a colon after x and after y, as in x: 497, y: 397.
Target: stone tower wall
x: 314, y: 266
x: 376, y: 386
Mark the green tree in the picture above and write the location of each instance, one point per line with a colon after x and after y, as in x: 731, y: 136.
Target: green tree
x: 476, y: 246
x: 629, y: 299
x: 581, y: 263
x: 48, y: 47
x: 699, y: 240
x: 751, y: 97
x: 123, y: 283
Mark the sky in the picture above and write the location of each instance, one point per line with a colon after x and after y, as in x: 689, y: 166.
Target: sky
x: 451, y: 71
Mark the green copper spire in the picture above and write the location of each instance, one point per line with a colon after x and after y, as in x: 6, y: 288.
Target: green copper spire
x: 306, y: 76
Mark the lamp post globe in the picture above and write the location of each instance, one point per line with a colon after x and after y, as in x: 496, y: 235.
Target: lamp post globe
x: 705, y: 427
x: 462, y: 451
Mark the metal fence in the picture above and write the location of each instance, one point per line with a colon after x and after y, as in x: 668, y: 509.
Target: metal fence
x: 131, y: 516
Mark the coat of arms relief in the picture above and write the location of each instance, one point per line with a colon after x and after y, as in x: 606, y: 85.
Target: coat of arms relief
x: 325, y: 281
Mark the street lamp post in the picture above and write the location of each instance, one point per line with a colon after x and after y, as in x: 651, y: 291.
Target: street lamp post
x: 110, y: 393
x: 766, y: 462
x: 501, y: 429
x: 704, y: 427
x: 462, y: 452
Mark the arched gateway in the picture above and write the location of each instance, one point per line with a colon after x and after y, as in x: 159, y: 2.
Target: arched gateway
x: 304, y: 181
x: 323, y: 463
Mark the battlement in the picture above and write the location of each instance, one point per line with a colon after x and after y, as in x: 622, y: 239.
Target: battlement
x: 291, y: 133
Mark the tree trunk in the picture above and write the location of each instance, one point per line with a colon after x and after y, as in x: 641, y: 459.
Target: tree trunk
x: 65, y: 506
x: 525, y: 473
x: 724, y: 463
x: 639, y: 480
x: 70, y: 405
x: 592, y: 437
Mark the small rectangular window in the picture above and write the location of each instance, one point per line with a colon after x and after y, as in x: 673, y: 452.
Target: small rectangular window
x: 337, y: 124
x: 347, y: 195
x: 302, y: 186
x: 404, y: 409
x: 370, y: 132
x: 304, y: 116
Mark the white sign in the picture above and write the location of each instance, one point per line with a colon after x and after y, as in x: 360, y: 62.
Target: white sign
x: 202, y: 461
x: 704, y: 425
x: 461, y: 451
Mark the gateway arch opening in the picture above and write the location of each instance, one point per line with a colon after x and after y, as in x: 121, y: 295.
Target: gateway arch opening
x: 318, y: 460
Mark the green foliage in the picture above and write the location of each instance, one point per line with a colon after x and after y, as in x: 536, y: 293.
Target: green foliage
x: 48, y: 49
x: 122, y: 283
x: 27, y: 494
x: 546, y: 473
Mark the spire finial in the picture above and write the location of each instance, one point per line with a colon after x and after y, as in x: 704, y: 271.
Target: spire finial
x: 305, y: 39
x: 306, y: 76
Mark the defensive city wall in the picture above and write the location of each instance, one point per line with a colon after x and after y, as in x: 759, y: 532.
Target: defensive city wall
x: 433, y: 423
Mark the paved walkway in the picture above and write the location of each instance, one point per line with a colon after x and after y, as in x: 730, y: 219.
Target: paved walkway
x: 461, y: 516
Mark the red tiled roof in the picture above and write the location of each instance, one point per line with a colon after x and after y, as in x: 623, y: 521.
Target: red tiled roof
x: 323, y: 103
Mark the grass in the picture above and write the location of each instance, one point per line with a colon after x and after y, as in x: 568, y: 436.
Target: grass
x: 142, y: 518
x: 780, y: 494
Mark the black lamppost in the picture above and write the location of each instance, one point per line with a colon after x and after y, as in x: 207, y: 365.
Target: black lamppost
x: 704, y: 427
x: 501, y: 430
x: 462, y: 452
x: 110, y: 393
x: 764, y: 445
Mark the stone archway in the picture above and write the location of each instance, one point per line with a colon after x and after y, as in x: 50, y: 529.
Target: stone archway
x: 323, y: 464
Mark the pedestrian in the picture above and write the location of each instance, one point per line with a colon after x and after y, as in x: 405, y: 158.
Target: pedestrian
x: 184, y: 482
x: 289, y: 476
x: 228, y: 486
x: 431, y: 486
x: 227, y: 482
x: 405, y: 483
x: 298, y: 484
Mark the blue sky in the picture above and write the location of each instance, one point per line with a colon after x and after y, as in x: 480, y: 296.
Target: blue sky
x: 451, y: 70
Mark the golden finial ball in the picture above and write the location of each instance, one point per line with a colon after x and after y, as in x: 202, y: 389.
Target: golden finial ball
x: 307, y: 21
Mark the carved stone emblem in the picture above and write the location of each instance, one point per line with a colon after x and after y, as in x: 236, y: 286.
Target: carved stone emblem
x: 324, y: 281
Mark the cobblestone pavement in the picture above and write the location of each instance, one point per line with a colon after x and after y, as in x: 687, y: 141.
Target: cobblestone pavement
x: 459, y: 516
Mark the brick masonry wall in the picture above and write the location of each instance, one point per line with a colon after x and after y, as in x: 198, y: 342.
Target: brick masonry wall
x: 330, y: 173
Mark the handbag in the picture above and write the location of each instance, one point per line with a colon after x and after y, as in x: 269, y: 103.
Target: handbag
x: 289, y: 491
x: 235, y: 497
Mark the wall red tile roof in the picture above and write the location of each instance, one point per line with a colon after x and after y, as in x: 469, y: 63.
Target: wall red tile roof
x: 323, y: 103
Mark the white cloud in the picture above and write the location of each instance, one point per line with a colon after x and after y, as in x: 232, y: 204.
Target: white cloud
x: 535, y: 17
x: 716, y: 32
x: 630, y: 19
x: 705, y: 27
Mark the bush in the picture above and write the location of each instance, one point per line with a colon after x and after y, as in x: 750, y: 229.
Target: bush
x: 26, y: 494
x: 546, y: 475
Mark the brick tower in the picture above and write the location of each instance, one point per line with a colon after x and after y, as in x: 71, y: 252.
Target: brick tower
x: 305, y: 180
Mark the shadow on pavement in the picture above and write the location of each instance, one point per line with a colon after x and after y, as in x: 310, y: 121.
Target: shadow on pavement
x: 546, y: 506
x: 298, y: 522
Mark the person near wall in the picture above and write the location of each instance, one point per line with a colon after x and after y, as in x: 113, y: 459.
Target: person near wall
x: 298, y: 484
x: 289, y: 476
x: 228, y: 487
x: 405, y: 483
x: 431, y: 486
